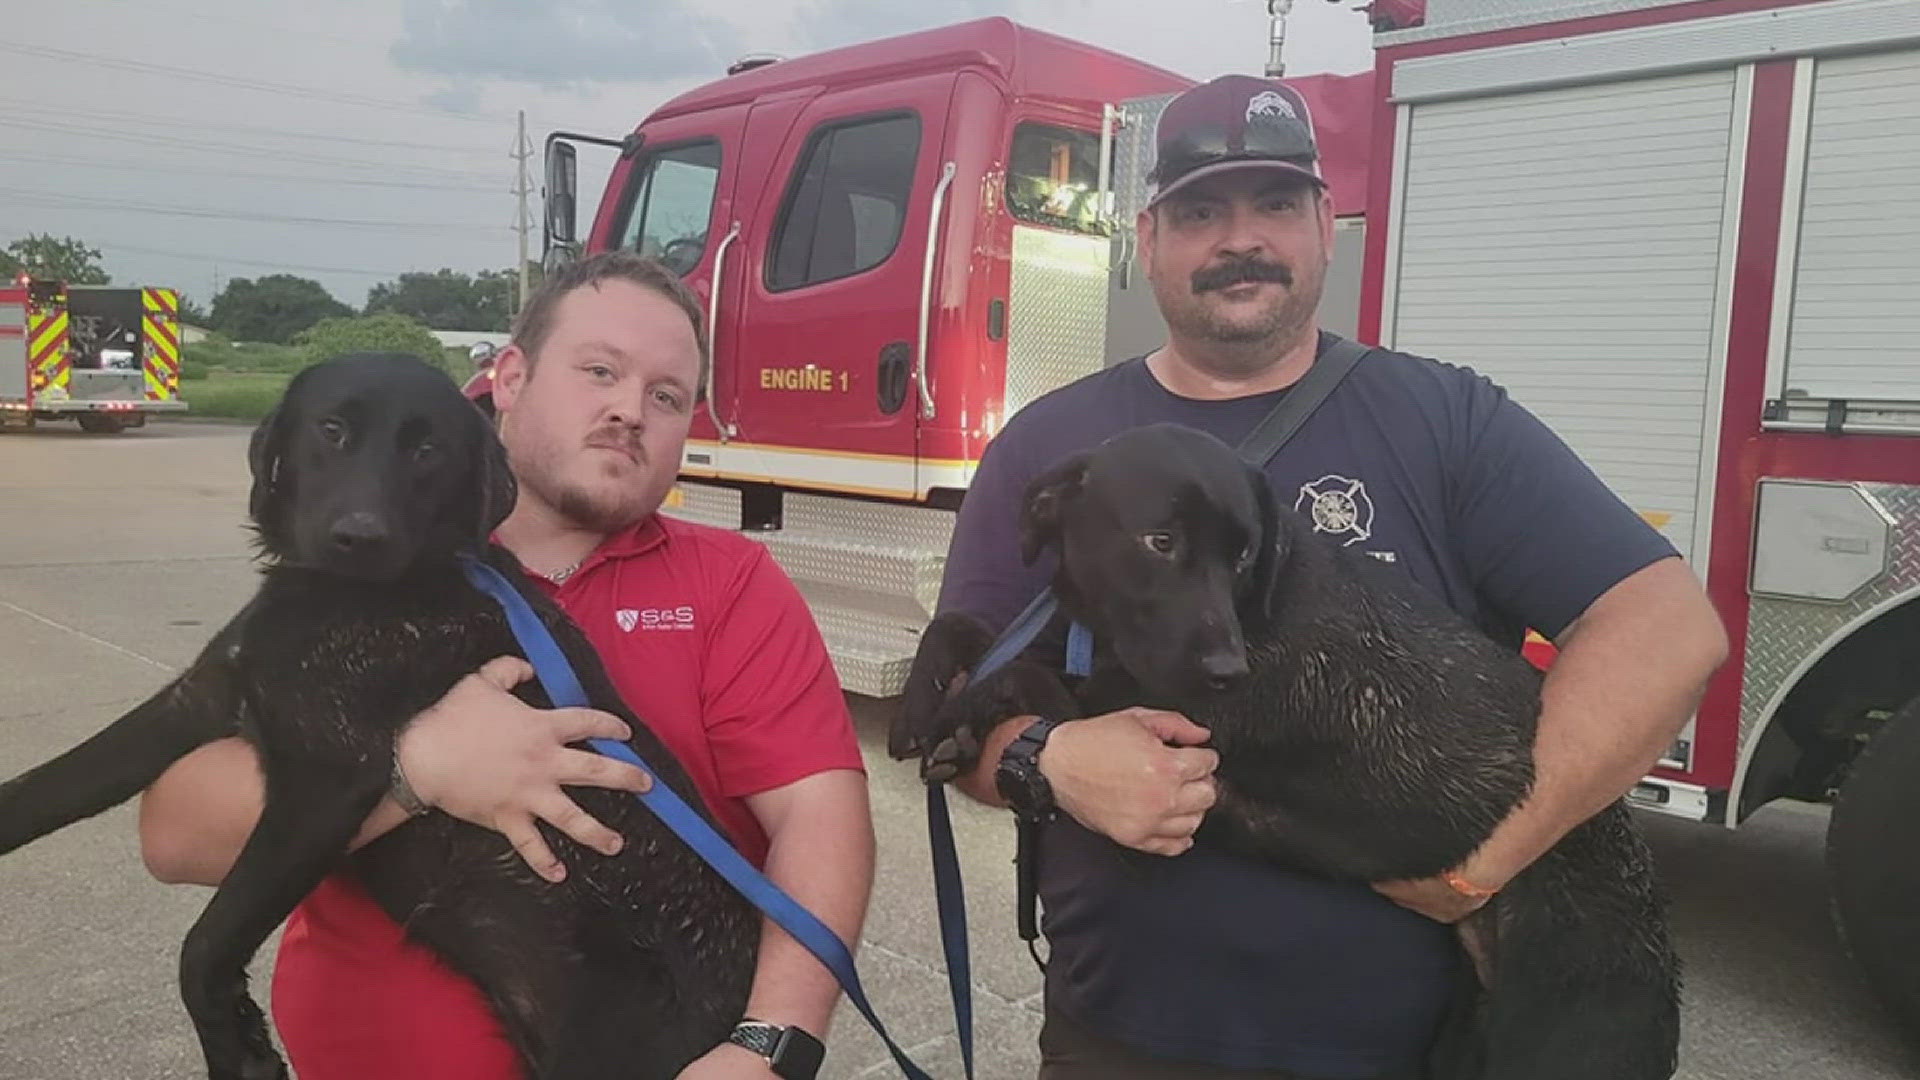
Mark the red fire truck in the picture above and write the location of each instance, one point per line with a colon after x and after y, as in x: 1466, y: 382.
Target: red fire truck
x: 1682, y: 233
x: 103, y: 356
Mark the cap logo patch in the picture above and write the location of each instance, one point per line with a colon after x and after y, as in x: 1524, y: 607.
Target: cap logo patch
x: 1270, y: 103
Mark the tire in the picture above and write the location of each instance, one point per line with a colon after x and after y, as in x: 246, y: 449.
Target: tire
x: 101, y: 423
x: 1873, y: 861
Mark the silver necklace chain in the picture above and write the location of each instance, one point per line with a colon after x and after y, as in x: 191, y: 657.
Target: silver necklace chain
x: 565, y: 572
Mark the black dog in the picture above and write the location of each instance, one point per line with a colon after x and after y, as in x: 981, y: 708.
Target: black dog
x: 1366, y: 733
x: 369, y: 478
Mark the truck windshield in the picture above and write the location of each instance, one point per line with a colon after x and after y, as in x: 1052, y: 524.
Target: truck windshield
x: 1052, y: 174
x: 671, y: 204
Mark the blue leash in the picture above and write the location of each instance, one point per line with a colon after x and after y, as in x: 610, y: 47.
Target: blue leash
x: 563, y: 688
x: 948, y: 893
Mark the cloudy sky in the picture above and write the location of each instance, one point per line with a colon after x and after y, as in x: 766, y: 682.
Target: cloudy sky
x: 195, y: 141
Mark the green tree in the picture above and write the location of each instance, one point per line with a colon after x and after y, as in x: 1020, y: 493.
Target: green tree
x: 192, y: 312
x: 447, y: 299
x: 61, y: 258
x: 386, y: 332
x: 273, y: 308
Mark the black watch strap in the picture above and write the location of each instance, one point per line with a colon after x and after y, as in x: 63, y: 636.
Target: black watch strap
x: 1018, y: 775
x: 791, y: 1052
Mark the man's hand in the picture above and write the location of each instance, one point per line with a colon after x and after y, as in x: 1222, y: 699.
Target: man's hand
x: 487, y: 757
x: 1117, y: 775
x: 728, y: 1062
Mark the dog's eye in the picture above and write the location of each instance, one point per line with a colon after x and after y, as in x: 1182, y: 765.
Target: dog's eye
x: 333, y: 431
x: 1160, y: 543
x: 425, y: 450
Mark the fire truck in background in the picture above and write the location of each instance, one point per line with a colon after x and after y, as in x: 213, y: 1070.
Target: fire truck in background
x: 1684, y: 234
x: 103, y: 356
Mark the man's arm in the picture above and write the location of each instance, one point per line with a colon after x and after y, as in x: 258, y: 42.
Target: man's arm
x: 820, y: 850
x: 1630, y: 672
x: 479, y: 754
x: 1549, y: 543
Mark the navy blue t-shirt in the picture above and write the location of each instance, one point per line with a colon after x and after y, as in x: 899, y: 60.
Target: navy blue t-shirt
x: 1210, y: 957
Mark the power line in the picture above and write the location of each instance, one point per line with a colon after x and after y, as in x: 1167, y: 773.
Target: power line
x: 271, y: 264
x: 120, y: 166
x: 102, y: 60
x: 21, y: 106
x: 274, y: 153
x: 61, y: 200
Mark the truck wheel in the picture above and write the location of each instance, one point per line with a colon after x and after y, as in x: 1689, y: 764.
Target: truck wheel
x: 101, y: 423
x: 1874, y: 864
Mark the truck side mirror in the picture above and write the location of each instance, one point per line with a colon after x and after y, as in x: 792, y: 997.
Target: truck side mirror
x: 562, y: 176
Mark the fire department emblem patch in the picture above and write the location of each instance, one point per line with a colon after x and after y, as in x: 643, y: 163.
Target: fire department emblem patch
x: 1338, y: 507
x: 1270, y: 103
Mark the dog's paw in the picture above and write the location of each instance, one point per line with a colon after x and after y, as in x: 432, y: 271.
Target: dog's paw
x: 951, y: 645
x: 952, y: 756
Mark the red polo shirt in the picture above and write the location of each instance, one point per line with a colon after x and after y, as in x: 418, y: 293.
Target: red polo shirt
x: 713, y: 648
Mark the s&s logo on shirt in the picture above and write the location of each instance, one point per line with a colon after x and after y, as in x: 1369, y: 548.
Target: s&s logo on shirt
x: 1339, y: 507
x: 673, y: 618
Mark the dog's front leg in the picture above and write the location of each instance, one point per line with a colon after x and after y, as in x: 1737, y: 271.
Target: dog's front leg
x: 126, y: 756
x: 312, y: 812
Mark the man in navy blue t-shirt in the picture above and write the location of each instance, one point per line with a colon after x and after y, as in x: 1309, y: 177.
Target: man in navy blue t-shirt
x: 1205, y: 964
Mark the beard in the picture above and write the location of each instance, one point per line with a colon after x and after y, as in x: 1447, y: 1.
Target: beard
x: 1188, y: 313
x: 605, y: 504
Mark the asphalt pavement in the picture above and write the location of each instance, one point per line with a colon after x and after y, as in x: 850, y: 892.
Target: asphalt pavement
x: 120, y: 555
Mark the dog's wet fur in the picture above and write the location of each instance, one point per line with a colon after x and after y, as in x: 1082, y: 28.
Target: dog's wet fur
x: 369, y: 479
x: 1366, y: 733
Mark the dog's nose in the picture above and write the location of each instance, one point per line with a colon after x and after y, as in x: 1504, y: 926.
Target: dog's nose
x: 1223, y: 669
x: 358, y: 532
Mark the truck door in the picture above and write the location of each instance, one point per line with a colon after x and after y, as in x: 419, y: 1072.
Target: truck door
x: 674, y: 204
x: 826, y: 298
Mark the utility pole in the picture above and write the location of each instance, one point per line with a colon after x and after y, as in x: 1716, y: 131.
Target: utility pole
x: 1277, y: 11
x: 523, y: 185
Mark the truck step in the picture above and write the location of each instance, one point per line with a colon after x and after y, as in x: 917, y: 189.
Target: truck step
x: 871, y: 654
x: 870, y: 572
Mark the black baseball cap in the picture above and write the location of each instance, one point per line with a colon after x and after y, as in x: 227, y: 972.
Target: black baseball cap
x: 1233, y: 122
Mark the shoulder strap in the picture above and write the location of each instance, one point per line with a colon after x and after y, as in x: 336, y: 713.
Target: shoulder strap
x: 1293, y: 408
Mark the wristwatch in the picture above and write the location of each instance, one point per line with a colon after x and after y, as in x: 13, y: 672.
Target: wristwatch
x: 791, y: 1052
x: 1018, y: 778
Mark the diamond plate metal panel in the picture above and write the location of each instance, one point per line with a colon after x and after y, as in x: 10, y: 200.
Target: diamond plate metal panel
x: 870, y: 656
x: 1056, y: 312
x: 1133, y: 159
x: 895, y: 573
x: 1452, y: 18
x: 878, y: 523
x: 704, y: 504
x: 1782, y: 634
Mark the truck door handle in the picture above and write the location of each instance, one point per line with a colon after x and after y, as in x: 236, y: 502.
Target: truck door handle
x: 926, y: 286
x: 892, y: 378
x: 724, y: 430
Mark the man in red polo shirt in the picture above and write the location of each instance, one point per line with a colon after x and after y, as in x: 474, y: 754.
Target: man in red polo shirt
x: 707, y: 641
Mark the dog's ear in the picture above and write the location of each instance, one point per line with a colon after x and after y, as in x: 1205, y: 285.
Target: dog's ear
x: 264, y: 451
x: 1040, y: 510
x: 495, y: 489
x: 1266, y: 560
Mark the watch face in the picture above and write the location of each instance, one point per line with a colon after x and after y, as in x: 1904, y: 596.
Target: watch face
x: 798, y: 1055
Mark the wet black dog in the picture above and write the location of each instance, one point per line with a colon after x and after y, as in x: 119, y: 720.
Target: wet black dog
x: 368, y: 479
x: 1366, y: 733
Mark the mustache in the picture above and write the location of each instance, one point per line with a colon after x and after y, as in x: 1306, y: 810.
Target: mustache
x: 619, y: 439
x: 1239, y: 272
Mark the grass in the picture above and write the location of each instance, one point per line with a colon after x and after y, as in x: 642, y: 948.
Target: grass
x: 235, y: 395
